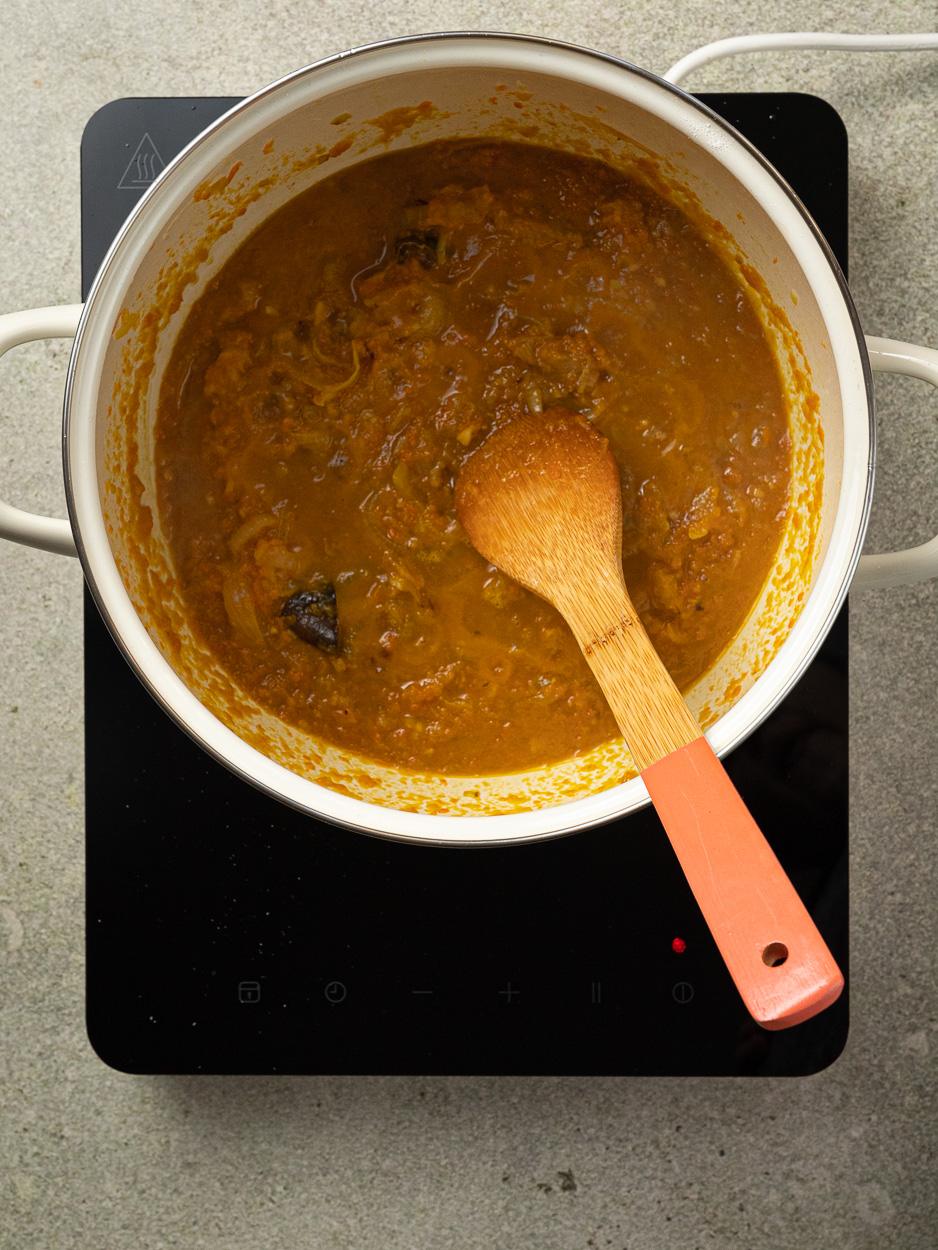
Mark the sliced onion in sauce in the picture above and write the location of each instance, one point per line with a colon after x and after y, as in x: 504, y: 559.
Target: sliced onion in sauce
x: 240, y: 606
x: 250, y: 529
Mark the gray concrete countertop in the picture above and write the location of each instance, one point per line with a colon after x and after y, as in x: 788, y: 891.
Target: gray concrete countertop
x: 89, y: 1157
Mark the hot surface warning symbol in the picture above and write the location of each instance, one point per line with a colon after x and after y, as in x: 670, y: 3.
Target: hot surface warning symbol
x: 145, y: 164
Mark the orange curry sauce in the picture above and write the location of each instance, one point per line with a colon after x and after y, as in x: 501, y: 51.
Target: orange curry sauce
x: 327, y: 386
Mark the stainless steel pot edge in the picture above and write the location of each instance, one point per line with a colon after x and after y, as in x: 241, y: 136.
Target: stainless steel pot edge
x: 204, y: 136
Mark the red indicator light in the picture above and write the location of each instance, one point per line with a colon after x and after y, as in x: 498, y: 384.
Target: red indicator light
x: 679, y: 946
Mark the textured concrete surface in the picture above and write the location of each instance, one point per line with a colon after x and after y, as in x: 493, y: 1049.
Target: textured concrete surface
x: 92, y: 1158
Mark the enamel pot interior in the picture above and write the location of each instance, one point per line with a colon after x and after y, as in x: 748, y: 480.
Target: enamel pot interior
x: 349, y: 109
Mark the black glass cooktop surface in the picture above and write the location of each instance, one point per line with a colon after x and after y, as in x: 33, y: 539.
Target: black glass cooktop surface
x: 227, y: 933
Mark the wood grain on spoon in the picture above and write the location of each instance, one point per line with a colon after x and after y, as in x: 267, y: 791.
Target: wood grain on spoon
x: 541, y: 500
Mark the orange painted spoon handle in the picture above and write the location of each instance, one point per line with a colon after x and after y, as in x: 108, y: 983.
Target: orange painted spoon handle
x: 781, y: 966
x: 780, y: 963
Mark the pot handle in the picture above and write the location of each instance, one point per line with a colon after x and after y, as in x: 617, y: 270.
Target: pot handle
x: 917, y: 563
x: 44, y: 532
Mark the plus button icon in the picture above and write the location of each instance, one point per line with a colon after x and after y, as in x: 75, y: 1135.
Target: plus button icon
x: 508, y: 993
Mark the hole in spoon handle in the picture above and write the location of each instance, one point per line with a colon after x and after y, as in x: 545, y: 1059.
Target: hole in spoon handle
x: 780, y: 963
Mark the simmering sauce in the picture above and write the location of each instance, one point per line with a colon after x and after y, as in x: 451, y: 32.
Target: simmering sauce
x: 329, y: 383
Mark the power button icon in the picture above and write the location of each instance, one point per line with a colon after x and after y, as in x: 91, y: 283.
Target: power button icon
x: 335, y: 992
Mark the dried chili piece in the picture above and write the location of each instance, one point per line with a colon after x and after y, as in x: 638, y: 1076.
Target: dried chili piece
x: 315, y: 617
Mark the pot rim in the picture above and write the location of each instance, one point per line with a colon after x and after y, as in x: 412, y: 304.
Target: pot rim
x: 348, y: 812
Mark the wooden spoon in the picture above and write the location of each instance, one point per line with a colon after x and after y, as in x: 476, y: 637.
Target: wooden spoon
x: 540, y: 499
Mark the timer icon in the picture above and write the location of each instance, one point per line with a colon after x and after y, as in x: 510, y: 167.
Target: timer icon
x: 335, y: 992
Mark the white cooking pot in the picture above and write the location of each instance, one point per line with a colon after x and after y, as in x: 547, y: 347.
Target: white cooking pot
x: 347, y: 109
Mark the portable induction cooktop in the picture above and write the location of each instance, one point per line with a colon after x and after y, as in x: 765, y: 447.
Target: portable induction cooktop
x: 227, y: 933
